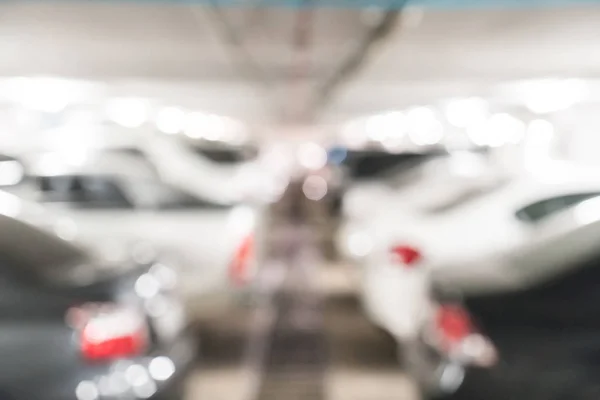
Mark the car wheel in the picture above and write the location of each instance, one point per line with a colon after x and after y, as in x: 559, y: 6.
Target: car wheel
x: 424, y: 366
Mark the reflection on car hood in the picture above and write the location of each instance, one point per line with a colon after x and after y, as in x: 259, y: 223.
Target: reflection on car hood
x: 110, y: 252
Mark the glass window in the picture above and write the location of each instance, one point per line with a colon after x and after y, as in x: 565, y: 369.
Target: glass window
x: 539, y: 210
x: 164, y: 196
x: 365, y: 165
x: 227, y: 155
x: 84, y: 191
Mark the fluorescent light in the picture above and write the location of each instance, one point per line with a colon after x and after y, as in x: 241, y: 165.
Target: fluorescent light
x: 312, y: 156
x: 466, y: 112
x: 170, y: 120
x: 128, y: 112
x: 551, y: 95
x: 353, y: 134
x: 391, y: 125
x: 424, y: 129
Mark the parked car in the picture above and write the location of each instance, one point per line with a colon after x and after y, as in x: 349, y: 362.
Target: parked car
x: 411, y: 181
x: 78, y: 326
x: 216, y: 246
x: 533, y: 335
x: 219, y: 172
x: 462, y: 236
x: 364, y: 175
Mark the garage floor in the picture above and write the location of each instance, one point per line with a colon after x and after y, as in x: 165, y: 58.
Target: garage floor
x: 307, y: 340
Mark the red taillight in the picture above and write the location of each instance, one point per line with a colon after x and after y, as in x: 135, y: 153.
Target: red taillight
x: 239, y: 269
x: 453, y: 324
x: 109, y: 332
x: 405, y: 255
x: 459, y: 337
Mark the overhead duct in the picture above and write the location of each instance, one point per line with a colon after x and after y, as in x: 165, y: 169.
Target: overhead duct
x: 249, y: 68
x: 359, y: 54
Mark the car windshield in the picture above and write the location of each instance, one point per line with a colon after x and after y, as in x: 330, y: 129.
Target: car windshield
x: 83, y: 191
x: 370, y: 165
x: 36, y: 253
x: 161, y: 195
x: 540, y: 210
x: 225, y: 155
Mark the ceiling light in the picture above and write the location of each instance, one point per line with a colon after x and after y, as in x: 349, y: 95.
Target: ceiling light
x: 170, y: 120
x: 128, y: 112
x: 312, y: 156
x: 466, y: 112
x: 423, y: 127
x: 551, y: 95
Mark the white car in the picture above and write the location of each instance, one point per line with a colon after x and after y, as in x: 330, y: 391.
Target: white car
x: 538, y: 283
x: 216, y: 246
x: 112, y: 252
x: 418, y: 180
x: 216, y: 171
x: 460, y: 237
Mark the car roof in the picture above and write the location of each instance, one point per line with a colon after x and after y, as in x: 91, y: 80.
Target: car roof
x: 99, y: 163
x: 5, y: 157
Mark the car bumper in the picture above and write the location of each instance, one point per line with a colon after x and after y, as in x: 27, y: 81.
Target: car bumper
x: 211, y: 305
x: 159, y: 375
x: 395, y: 299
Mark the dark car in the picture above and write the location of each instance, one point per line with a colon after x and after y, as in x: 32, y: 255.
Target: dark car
x: 538, y: 338
x: 74, y: 327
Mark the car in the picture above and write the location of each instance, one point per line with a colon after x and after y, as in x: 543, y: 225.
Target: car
x: 457, y: 235
x: 213, y: 170
x: 218, y: 172
x: 376, y: 182
x: 216, y: 246
x: 533, y: 334
x: 77, y: 326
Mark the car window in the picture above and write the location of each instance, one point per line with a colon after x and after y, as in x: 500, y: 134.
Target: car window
x: 542, y: 209
x: 226, y: 155
x: 84, y: 191
x: 366, y: 165
x: 164, y: 196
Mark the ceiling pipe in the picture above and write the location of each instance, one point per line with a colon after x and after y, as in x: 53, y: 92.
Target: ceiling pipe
x: 301, y: 67
x: 234, y: 40
x: 356, y: 58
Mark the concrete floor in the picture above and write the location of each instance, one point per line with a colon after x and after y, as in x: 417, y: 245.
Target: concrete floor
x: 361, y: 364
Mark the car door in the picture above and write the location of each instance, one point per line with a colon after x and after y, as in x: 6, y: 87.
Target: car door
x: 36, y: 346
x: 104, y: 216
x: 201, y: 234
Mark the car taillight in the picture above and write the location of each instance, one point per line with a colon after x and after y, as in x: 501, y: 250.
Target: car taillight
x: 458, y: 337
x: 239, y: 269
x: 453, y: 323
x: 109, y: 331
x: 406, y: 256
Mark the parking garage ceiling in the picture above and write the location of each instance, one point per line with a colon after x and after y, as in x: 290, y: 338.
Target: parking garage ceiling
x: 179, y: 52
